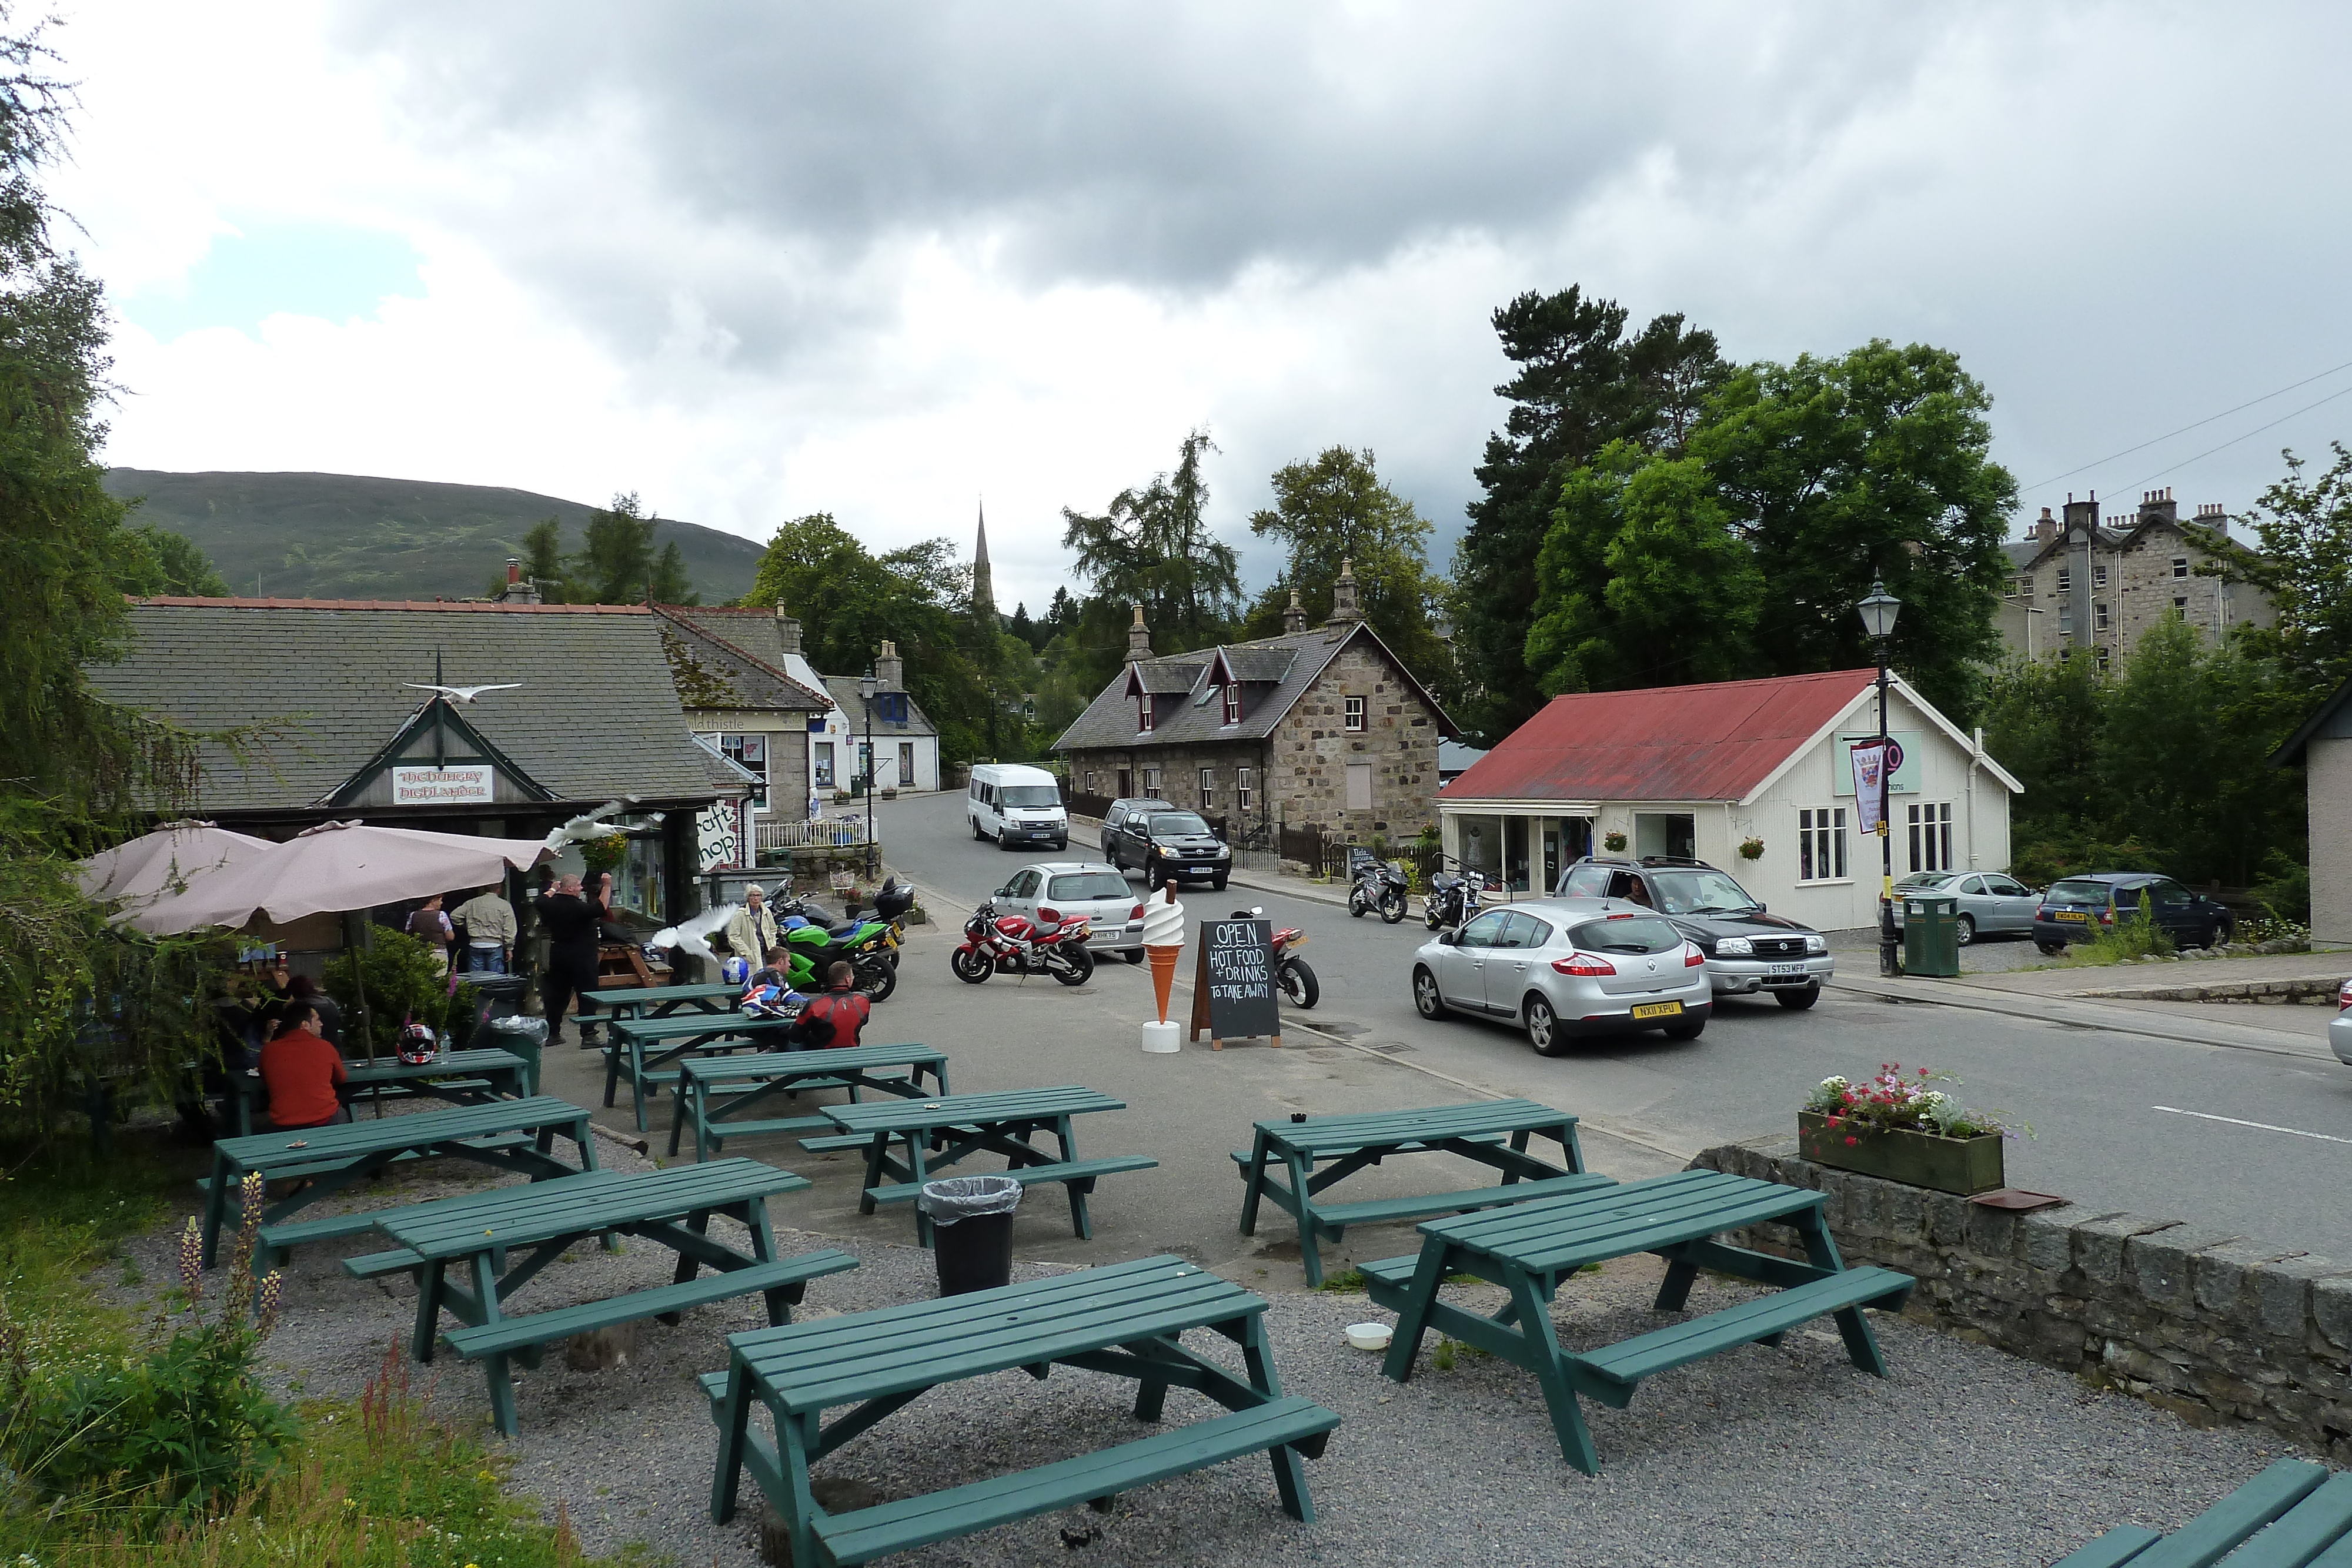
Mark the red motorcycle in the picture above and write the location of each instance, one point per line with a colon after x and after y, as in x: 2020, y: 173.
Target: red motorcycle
x: 1298, y: 981
x: 1011, y: 944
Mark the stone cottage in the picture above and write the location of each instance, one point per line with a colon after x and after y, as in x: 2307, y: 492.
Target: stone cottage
x: 1320, y: 728
x: 2081, y: 581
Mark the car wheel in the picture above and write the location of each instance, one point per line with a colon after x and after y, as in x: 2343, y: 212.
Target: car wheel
x: 1795, y: 1000
x: 1690, y: 1029
x: 1152, y: 870
x: 1543, y: 1027
x: 1426, y: 1000
x: 1133, y: 955
x: 976, y: 832
x: 1968, y: 930
x: 2050, y: 949
x: 1216, y: 884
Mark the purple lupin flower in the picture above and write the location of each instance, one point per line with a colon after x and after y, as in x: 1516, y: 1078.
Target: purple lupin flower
x: 265, y: 1314
x: 192, y: 1260
x: 250, y: 1194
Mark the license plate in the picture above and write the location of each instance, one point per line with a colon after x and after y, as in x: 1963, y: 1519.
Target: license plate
x: 1786, y: 969
x: 2071, y: 915
x: 1657, y: 1009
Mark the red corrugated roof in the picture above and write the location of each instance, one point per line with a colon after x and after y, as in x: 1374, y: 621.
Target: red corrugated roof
x: 488, y: 606
x: 1669, y: 743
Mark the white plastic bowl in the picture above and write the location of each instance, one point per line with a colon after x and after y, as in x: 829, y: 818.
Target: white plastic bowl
x: 1369, y: 1336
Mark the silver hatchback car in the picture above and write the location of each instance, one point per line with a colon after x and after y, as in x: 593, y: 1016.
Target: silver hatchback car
x: 1072, y: 888
x: 1567, y: 969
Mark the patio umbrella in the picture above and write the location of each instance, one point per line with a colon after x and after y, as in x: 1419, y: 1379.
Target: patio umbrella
x: 335, y: 868
x: 163, y: 863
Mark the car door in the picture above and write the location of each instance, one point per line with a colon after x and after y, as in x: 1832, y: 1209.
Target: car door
x: 2010, y: 904
x: 1462, y: 967
x: 1021, y: 895
x: 1113, y: 821
x: 1511, y: 961
x: 2175, y: 911
x: 1968, y: 894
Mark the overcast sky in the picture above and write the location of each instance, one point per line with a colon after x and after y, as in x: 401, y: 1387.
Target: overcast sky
x: 887, y: 260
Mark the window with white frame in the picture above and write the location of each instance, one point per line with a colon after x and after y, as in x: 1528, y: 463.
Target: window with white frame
x: 821, y: 765
x: 2099, y: 575
x: 1930, y: 825
x: 1208, y: 787
x: 1090, y: 780
x: 1151, y: 784
x: 1821, y: 843
x: 1232, y: 702
x: 2180, y: 566
x: 2065, y: 579
x: 1355, y: 711
x: 2099, y: 616
x: 2065, y: 621
x: 1243, y: 791
x: 2180, y: 602
x: 2103, y: 658
x: 750, y: 751
x: 1143, y: 720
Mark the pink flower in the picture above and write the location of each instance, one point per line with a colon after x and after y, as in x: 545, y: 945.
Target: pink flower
x: 1851, y: 1142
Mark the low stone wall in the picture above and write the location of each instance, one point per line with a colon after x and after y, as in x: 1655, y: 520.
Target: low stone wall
x: 2318, y: 991
x: 2211, y: 1326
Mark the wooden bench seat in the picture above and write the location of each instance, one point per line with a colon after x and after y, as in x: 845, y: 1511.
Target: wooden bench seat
x: 276, y: 1241
x: 375, y: 1265
x: 1241, y: 1157
x: 832, y: 1140
x: 783, y: 1282
x: 328, y: 1168
x: 1764, y: 1318
x: 1084, y: 1171
x: 1385, y: 1210
x: 2291, y: 1515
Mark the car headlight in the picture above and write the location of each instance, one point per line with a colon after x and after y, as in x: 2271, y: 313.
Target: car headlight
x: 1223, y: 850
x: 1734, y: 947
x: 1817, y: 942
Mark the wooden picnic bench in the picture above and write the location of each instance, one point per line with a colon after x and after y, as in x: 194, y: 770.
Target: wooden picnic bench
x: 1529, y: 1247
x: 460, y: 1077
x: 668, y: 1038
x: 476, y: 1236
x: 759, y: 1078
x: 1125, y: 1319
x: 513, y: 1134
x: 1353, y: 1140
x: 2292, y: 1515
x: 630, y: 1002
x: 938, y: 1133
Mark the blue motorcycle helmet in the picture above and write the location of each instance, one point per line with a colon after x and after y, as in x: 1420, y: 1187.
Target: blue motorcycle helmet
x: 737, y: 971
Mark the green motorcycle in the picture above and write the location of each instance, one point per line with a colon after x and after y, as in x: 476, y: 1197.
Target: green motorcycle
x: 814, y: 950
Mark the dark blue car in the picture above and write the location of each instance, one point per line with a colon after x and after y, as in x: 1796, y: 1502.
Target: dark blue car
x: 2078, y: 908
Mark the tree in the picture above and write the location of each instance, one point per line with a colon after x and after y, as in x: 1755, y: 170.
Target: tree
x: 1061, y: 614
x: 1873, y: 464
x: 669, y: 583
x: 2304, y: 565
x: 543, y: 561
x: 1028, y: 631
x: 1152, y: 547
x: 616, y: 555
x: 157, y: 562
x: 1580, y: 385
x: 1334, y: 508
x: 1642, y: 581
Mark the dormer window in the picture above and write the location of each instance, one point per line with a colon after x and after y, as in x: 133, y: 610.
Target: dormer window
x: 1232, y: 702
x: 1144, y: 727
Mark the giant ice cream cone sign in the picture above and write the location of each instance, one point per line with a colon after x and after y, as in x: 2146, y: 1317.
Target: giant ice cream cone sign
x: 1163, y: 941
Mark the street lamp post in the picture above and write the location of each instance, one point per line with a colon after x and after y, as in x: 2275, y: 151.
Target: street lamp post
x: 865, y: 690
x: 1878, y: 613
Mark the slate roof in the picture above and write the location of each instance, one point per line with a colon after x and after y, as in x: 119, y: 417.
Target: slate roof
x: 1293, y: 662
x: 720, y: 665
x: 596, y: 715
x: 847, y: 697
x: 1712, y: 742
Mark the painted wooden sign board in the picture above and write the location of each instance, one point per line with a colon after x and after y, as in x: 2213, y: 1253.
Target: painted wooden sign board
x: 1234, y: 995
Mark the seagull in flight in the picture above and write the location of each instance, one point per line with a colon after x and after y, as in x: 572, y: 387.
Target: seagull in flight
x: 463, y: 695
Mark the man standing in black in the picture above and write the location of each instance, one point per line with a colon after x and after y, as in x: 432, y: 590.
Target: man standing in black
x: 572, y: 924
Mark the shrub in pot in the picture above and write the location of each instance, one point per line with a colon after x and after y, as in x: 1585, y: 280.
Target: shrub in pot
x: 1902, y: 1128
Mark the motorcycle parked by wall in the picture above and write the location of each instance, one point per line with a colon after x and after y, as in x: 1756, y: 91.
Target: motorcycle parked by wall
x: 1378, y: 885
x: 1011, y: 944
x: 1299, y: 987
x: 1453, y: 899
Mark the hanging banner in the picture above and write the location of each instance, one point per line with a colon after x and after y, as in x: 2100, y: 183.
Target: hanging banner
x: 1874, y: 762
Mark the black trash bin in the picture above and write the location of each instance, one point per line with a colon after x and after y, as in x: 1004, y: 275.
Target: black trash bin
x: 972, y: 1231
x: 526, y: 1037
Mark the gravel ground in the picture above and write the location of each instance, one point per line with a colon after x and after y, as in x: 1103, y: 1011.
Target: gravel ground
x: 1989, y: 955
x: 1964, y: 1454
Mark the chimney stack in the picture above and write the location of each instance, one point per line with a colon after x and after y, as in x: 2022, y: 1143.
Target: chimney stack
x: 2210, y: 515
x: 788, y: 630
x: 1294, y: 615
x: 519, y: 589
x: 1345, y: 611
x: 1138, y: 638
x: 890, y: 670
x: 2045, y: 526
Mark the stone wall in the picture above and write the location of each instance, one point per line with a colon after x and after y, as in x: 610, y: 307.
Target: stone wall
x: 2211, y: 1326
x: 1313, y: 749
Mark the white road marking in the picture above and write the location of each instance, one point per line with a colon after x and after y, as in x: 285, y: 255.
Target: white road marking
x: 2265, y: 1126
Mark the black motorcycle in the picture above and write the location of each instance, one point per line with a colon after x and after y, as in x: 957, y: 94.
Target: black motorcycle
x: 1453, y: 899
x: 1378, y: 885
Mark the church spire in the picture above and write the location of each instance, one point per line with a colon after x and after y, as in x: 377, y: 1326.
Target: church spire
x: 984, y: 585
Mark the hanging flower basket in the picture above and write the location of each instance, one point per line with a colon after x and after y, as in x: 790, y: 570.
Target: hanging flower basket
x: 1614, y: 842
x: 1752, y: 849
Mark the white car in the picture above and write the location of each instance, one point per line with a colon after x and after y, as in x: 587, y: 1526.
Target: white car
x: 1566, y: 968
x: 1071, y: 888
x: 2339, y: 1028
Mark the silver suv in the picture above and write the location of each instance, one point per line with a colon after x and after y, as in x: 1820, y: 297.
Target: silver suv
x: 1568, y: 967
x: 1071, y: 888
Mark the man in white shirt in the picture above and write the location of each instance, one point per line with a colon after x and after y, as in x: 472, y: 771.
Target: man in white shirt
x: 489, y: 923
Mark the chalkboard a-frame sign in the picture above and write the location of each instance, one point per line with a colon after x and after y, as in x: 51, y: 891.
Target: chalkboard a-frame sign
x: 1235, y: 996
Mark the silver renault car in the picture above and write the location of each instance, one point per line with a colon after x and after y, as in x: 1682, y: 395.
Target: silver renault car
x: 1566, y: 968
x: 1070, y: 888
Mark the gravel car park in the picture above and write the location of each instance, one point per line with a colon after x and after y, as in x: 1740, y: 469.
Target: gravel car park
x: 1991, y: 903
x: 1566, y: 968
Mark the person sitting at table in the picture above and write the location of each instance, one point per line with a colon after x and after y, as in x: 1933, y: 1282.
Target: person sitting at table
x: 770, y: 989
x: 303, y: 1073
x: 303, y: 991
x: 834, y: 1019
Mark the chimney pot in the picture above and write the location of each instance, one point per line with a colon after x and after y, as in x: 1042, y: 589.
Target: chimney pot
x: 514, y: 572
x: 1138, y: 638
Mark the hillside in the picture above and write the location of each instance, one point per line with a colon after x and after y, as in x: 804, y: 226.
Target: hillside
x: 343, y: 536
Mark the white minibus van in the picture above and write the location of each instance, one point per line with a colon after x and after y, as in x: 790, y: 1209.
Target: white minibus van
x: 1016, y: 805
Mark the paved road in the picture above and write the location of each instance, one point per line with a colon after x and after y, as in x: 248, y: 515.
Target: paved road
x: 2123, y: 1121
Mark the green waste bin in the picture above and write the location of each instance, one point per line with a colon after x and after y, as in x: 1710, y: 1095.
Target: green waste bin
x: 1931, y: 936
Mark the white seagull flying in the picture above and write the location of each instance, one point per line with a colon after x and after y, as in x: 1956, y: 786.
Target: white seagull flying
x: 461, y: 695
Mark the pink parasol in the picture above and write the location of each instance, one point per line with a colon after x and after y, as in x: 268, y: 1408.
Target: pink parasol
x: 336, y: 867
x: 167, y: 860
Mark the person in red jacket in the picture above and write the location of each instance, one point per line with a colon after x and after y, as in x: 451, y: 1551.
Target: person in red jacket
x: 302, y: 1072
x: 831, y: 1021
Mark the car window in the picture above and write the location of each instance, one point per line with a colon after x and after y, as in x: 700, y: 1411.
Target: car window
x: 2094, y: 893
x: 1030, y: 795
x: 1626, y: 934
x: 2167, y: 893
x: 1585, y: 881
x: 2007, y: 888
x: 1699, y: 892
x: 1484, y: 931
x: 1088, y: 884
x: 1024, y: 884
x: 1972, y: 885
x: 1177, y: 825
x: 1520, y: 931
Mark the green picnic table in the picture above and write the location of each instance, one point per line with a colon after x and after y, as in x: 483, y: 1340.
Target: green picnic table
x: 475, y: 1237
x: 1126, y: 1319
x: 663, y: 1001
x: 1353, y: 1140
x: 460, y: 1077
x: 938, y: 1133
x: 668, y: 1038
x: 2293, y: 1515
x: 1529, y: 1247
x: 758, y: 1079
x: 513, y: 1134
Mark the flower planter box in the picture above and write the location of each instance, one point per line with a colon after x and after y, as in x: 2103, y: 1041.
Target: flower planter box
x: 1962, y: 1166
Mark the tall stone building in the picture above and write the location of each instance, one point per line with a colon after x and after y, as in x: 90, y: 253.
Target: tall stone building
x: 1319, y: 727
x: 2081, y: 581
x: 984, y: 581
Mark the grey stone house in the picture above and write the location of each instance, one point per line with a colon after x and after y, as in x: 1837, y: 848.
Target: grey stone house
x: 2083, y: 583
x: 1321, y: 727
